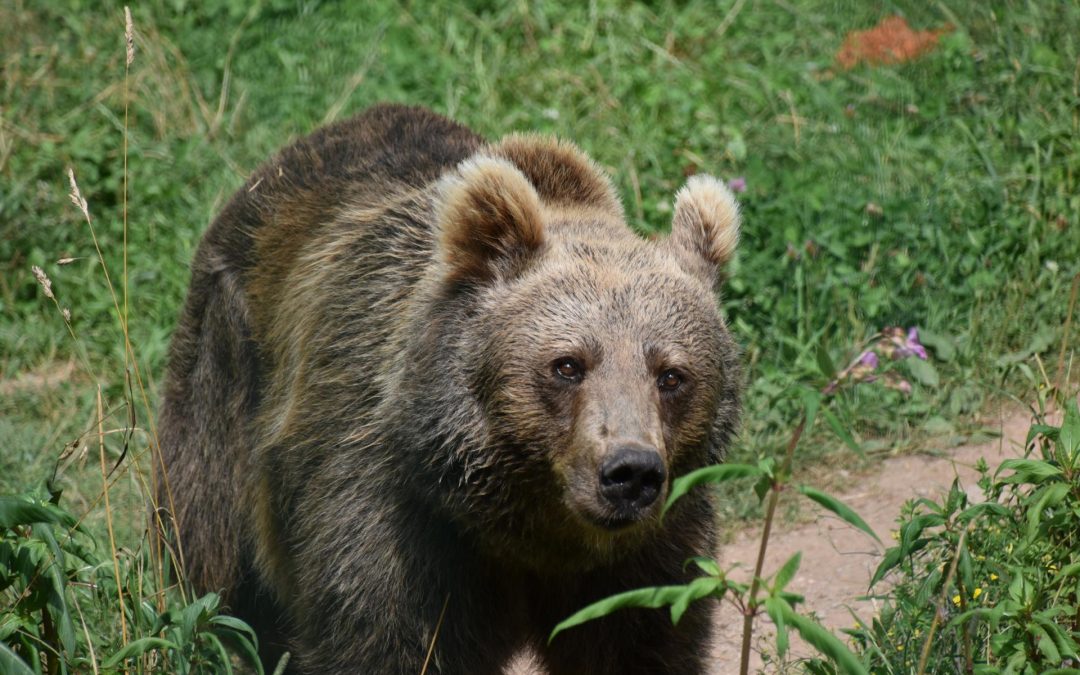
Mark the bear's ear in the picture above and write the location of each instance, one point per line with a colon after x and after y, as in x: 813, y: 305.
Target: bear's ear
x: 705, y: 228
x: 561, y: 173
x: 489, y: 221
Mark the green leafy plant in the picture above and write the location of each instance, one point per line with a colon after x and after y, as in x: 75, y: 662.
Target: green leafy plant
x: 990, y: 587
x: 53, y: 575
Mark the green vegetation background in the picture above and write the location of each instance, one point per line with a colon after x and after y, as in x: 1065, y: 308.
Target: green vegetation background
x: 941, y: 193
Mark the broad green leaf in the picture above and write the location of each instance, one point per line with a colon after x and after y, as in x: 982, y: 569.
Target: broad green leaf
x: 699, y: 588
x: 247, y: 645
x: 1044, y: 642
x: 844, y: 435
x: 138, y: 648
x: 825, y: 362
x: 892, y: 558
x: 825, y: 642
x: 774, y: 607
x: 964, y: 567
x: 924, y: 372
x: 943, y: 346
x: 58, y: 608
x: 980, y: 509
x: 787, y: 572
x: 11, y: 664
x: 707, y: 565
x: 839, y: 508
x: 15, y: 511
x: 1064, y: 644
x: 1069, y: 436
x: 1053, y: 433
x: 1028, y: 471
x: 649, y: 598
x: 195, y: 614
x: 717, y: 473
x: 223, y: 654
x: 1051, y: 496
x: 233, y: 624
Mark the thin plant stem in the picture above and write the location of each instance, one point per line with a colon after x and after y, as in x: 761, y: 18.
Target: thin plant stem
x: 435, y: 635
x: 108, y: 518
x: 755, y: 583
x: 925, y: 655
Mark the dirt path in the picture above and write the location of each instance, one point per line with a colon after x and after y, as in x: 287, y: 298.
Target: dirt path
x: 838, y: 560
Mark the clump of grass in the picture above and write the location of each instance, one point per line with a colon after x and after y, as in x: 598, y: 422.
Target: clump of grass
x: 68, y: 602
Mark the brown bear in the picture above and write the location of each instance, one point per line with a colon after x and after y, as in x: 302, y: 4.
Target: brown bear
x: 427, y: 395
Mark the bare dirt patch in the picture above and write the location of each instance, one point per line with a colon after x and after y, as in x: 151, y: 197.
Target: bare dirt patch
x: 838, y: 560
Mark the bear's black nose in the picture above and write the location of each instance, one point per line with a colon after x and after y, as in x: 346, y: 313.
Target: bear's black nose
x: 632, y: 477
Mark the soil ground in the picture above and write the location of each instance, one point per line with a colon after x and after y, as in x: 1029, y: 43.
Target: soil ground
x: 838, y: 560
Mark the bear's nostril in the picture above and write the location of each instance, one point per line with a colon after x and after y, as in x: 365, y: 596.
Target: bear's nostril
x: 632, y: 478
x: 621, y: 474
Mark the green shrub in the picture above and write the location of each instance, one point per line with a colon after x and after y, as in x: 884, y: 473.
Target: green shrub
x: 69, y: 605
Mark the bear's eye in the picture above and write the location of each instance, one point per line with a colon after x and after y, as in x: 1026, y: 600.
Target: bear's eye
x: 669, y: 380
x: 568, y: 369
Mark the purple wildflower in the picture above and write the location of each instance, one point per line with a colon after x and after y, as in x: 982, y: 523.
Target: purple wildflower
x: 737, y: 184
x: 914, y: 345
x: 898, y: 345
x: 868, y: 358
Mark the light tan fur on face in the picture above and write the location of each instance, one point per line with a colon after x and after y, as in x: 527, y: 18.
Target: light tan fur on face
x: 705, y: 229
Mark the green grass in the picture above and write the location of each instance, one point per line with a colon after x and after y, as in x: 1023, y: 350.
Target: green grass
x: 970, y: 156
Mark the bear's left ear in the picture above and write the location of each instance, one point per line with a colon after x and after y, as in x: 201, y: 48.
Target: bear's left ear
x: 489, y: 221
x: 705, y: 228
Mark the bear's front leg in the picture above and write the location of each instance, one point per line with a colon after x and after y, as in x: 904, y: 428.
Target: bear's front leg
x: 390, y: 590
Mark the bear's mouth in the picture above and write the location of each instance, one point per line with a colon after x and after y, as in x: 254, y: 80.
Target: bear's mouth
x: 617, y: 522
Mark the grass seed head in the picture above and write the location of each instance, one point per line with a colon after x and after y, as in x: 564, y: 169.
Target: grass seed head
x: 39, y: 274
x: 76, y: 196
x: 129, y: 35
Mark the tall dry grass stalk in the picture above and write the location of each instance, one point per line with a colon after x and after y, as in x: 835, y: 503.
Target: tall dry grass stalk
x: 108, y: 517
x: 132, y: 372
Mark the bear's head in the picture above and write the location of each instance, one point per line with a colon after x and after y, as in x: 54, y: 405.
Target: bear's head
x: 593, y: 365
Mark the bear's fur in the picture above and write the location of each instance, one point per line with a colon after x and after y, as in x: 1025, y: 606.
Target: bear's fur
x: 406, y: 364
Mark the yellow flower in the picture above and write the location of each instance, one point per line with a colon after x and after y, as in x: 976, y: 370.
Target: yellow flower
x: 956, y: 599
x: 917, y: 632
x: 993, y: 577
x: 976, y: 594
x: 895, y: 534
x: 899, y: 647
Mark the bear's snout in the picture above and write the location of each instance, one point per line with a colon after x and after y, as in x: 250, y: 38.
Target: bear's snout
x: 631, y: 479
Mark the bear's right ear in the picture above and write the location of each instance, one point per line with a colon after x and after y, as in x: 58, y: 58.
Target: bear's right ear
x: 489, y: 221
x: 705, y: 228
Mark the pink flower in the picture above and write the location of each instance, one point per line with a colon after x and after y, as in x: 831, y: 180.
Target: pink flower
x: 737, y: 184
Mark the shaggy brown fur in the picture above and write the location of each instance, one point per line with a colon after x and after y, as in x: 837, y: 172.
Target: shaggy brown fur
x: 404, y: 366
